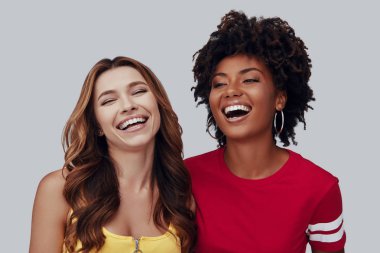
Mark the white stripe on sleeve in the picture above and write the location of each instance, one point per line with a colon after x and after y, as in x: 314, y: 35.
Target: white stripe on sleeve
x: 329, y: 237
x: 326, y: 226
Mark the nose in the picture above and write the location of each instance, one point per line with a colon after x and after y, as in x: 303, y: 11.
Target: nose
x: 232, y: 91
x: 127, y: 105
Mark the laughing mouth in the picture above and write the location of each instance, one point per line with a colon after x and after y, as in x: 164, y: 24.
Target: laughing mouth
x: 131, y: 122
x: 236, y: 111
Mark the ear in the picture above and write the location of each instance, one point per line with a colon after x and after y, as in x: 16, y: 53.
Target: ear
x: 99, y: 132
x: 281, y: 98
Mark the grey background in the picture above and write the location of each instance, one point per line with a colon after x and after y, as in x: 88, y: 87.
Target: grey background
x: 47, y: 48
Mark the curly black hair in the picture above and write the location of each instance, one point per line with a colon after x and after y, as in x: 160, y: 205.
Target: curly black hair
x: 274, y: 42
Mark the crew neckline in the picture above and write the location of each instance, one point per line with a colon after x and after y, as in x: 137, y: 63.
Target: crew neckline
x: 227, y: 172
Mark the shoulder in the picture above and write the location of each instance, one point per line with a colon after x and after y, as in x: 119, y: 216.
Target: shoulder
x: 49, y: 215
x: 53, y: 183
x: 202, y: 159
x: 50, y: 191
x: 310, y: 171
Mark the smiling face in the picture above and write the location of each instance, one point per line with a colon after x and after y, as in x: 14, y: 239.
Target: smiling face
x: 243, y: 98
x: 126, y: 109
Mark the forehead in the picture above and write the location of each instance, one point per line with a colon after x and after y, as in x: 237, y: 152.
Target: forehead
x: 117, y: 78
x: 236, y: 63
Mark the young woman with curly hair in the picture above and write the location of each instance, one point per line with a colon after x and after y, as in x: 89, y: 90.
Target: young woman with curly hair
x: 251, y: 195
x: 124, y: 186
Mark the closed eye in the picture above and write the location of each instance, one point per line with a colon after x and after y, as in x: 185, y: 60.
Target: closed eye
x: 107, y: 101
x: 139, y: 91
x: 251, y: 80
x: 217, y: 85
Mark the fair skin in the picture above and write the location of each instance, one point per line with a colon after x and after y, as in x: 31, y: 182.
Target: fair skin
x: 128, y: 115
x: 49, y: 215
x: 122, y: 95
x: 243, y: 101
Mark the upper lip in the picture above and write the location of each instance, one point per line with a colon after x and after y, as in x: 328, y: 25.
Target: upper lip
x: 131, y: 117
x: 234, y: 103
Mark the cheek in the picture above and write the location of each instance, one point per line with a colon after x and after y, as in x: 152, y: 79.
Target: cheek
x: 157, y: 119
x: 154, y: 111
x: 213, y: 101
x: 263, y: 98
x: 98, y: 117
x: 103, y: 117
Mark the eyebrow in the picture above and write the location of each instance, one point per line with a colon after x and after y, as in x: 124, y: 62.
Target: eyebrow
x: 130, y: 85
x: 241, y: 72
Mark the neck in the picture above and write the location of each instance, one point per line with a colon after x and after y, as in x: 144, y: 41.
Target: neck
x: 134, y: 168
x: 254, y: 158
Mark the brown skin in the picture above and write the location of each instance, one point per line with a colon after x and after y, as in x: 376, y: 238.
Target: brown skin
x: 251, y: 153
x: 318, y: 251
x: 242, y: 80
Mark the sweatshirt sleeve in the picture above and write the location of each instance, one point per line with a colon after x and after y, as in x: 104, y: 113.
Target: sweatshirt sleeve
x: 326, y: 231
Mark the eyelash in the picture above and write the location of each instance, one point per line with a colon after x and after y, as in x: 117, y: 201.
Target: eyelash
x: 139, y: 91
x: 136, y: 92
x: 251, y: 80
x: 105, y: 102
x: 217, y: 85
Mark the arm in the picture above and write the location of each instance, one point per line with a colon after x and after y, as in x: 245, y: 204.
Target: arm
x: 318, y: 251
x: 327, y: 229
x: 49, y: 215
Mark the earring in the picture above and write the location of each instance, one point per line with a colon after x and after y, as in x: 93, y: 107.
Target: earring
x: 278, y: 132
x: 208, y: 131
x: 99, y: 132
x: 214, y: 137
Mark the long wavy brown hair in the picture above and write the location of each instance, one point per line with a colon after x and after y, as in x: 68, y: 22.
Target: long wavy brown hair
x: 92, y: 188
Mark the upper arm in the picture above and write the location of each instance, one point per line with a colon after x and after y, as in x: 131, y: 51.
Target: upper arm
x: 326, y: 228
x: 49, y: 215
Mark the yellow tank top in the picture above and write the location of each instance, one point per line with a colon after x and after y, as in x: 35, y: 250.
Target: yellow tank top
x: 127, y: 244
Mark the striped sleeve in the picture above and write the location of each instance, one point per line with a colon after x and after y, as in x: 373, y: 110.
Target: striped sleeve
x: 326, y: 228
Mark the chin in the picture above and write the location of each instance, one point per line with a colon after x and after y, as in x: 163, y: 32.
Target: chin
x: 242, y: 134
x: 237, y: 136
x: 134, y: 143
x: 139, y: 142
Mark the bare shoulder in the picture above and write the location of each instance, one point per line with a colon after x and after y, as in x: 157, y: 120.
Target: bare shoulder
x: 50, y: 194
x: 49, y: 214
x: 49, y: 197
x: 53, y: 183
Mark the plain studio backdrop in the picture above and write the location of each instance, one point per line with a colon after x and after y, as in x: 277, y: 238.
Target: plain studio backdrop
x: 47, y: 49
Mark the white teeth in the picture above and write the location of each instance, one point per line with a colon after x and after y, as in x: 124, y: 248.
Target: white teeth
x: 235, y: 108
x: 131, y: 121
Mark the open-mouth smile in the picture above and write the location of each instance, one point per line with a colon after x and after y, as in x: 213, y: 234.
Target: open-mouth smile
x: 132, y: 123
x: 235, y: 112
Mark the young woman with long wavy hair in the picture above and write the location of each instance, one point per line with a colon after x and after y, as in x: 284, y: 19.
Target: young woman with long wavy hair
x: 123, y: 186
